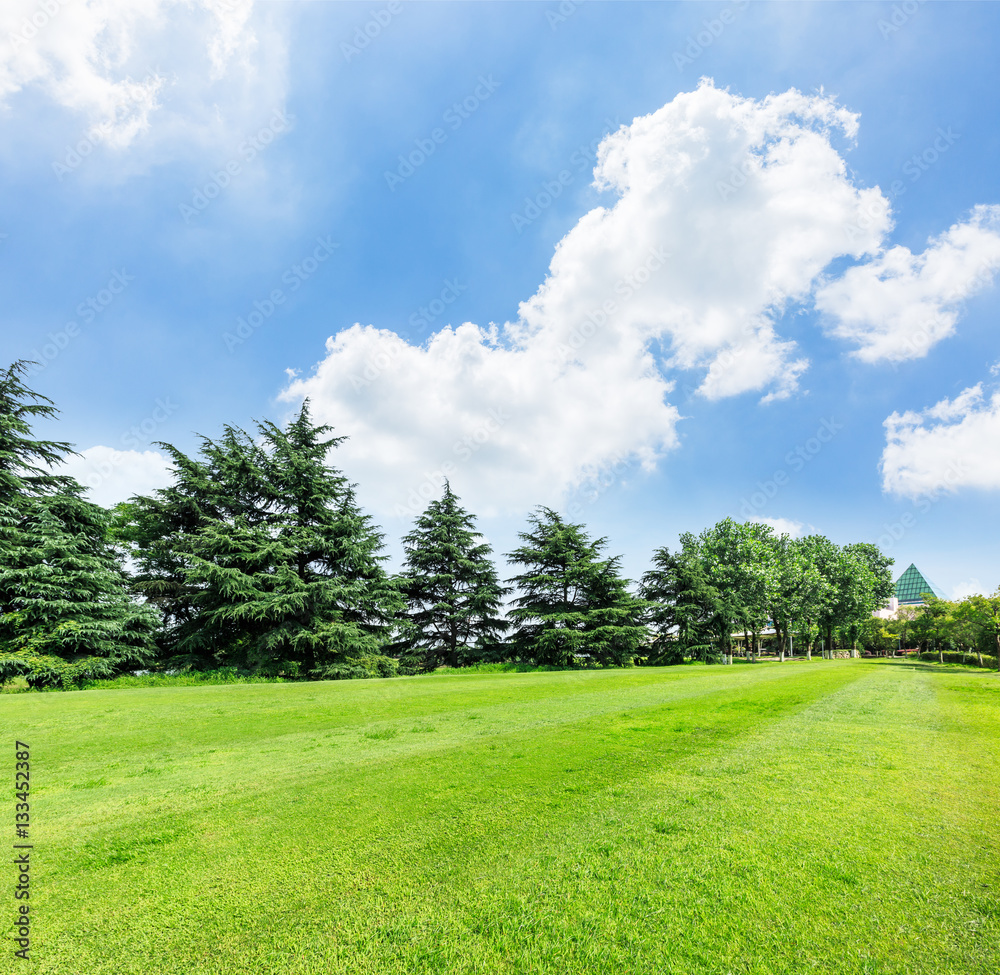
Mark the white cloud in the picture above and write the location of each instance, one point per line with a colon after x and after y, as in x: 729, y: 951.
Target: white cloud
x: 201, y: 69
x: 969, y: 587
x: 784, y: 526
x: 510, y: 426
x: 750, y: 199
x: 727, y: 211
x: 899, y: 305
x: 115, y: 475
x: 948, y: 446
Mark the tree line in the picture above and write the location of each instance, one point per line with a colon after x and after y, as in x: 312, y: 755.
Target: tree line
x: 950, y: 631
x: 258, y: 557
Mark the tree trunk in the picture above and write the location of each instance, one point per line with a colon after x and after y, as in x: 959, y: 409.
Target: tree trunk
x: 979, y: 654
x: 998, y: 650
x: 940, y: 654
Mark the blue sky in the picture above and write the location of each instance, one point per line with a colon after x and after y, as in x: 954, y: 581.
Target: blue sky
x: 818, y: 225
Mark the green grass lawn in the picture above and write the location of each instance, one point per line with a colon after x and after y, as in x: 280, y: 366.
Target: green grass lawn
x: 834, y: 817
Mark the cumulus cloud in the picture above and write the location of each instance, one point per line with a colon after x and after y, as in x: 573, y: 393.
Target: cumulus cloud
x: 966, y: 588
x: 509, y: 425
x: 900, y: 304
x: 948, y: 446
x: 112, y: 475
x: 726, y: 212
x: 784, y: 526
x: 121, y: 63
x: 748, y: 198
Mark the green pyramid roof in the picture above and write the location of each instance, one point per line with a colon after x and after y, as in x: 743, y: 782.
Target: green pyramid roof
x: 911, y: 585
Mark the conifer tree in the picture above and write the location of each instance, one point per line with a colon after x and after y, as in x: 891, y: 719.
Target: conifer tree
x: 573, y: 603
x: 65, y: 611
x: 451, y: 586
x: 683, y: 604
x: 263, y: 559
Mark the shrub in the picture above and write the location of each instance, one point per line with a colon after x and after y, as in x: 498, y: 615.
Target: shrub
x: 955, y: 657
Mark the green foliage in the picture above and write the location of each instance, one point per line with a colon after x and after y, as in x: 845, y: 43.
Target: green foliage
x: 573, y: 605
x: 65, y: 610
x: 451, y: 587
x: 740, y: 566
x: 260, y: 557
x: 801, y: 590
x: 684, y: 607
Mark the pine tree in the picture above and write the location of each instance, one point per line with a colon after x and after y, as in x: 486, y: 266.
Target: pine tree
x: 574, y: 604
x: 65, y: 611
x: 451, y: 586
x: 683, y: 604
x: 262, y: 558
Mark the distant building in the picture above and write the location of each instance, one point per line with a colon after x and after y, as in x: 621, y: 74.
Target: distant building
x: 911, y: 586
x: 910, y: 589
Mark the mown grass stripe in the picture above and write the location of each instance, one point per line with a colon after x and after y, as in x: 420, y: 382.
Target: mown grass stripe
x: 753, y: 819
